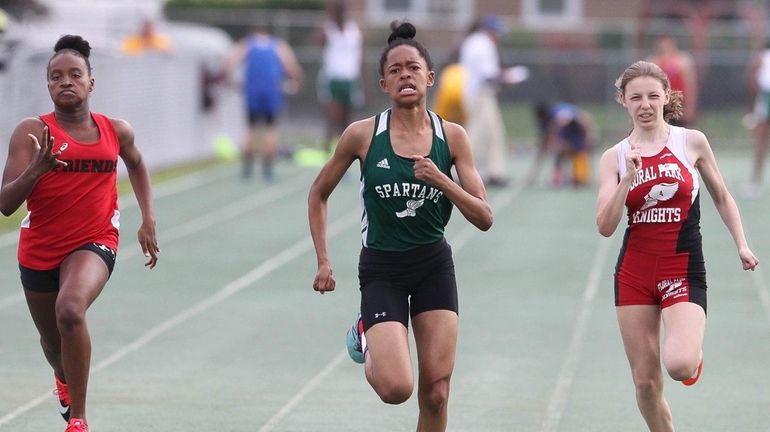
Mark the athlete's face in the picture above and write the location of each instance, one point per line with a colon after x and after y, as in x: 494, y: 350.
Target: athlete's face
x: 69, y: 82
x: 644, y: 98
x: 406, y: 76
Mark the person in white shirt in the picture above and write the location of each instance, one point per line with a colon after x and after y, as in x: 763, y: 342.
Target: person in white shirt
x: 339, y: 86
x: 480, y: 60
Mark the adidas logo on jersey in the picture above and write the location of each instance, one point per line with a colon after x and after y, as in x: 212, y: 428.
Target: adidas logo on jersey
x: 383, y: 164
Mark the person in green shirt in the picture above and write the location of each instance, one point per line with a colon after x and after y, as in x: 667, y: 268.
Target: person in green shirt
x: 406, y: 269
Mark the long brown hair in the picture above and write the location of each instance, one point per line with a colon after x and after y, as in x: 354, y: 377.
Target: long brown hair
x: 674, y: 108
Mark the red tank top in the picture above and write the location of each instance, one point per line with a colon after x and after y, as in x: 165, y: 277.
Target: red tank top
x: 73, y: 205
x: 663, y: 205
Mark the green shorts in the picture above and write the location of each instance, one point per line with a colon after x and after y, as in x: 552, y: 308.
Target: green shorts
x: 344, y: 92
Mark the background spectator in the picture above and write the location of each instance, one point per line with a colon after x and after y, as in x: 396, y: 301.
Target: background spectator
x: 147, y: 39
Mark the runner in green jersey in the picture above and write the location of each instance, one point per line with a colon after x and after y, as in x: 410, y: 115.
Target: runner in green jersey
x: 406, y: 269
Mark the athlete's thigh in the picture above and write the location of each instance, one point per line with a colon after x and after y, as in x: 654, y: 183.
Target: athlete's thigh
x: 684, y: 326
x: 82, y: 278
x: 435, y: 335
x: 640, y: 330
x: 388, y: 346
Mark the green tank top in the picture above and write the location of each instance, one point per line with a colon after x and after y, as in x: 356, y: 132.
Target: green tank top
x: 399, y: 212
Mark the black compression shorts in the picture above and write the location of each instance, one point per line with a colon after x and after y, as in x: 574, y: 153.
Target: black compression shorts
x: 397, y: 285
x: 47, y: 281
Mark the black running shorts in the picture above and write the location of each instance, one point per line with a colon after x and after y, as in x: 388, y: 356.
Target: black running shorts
x: 397, y: 285
x: 46, y: 281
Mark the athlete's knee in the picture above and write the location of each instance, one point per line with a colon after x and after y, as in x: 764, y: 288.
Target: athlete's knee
x: 435, y: 395
x: 681, y: 367
x: 394, y: 392
x: 648, y: 388
x: 70, y: 313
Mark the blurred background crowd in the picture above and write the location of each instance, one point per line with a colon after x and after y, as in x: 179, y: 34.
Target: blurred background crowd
x: 161, y: 65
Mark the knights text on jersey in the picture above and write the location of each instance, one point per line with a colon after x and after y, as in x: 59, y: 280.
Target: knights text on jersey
x: 663, y: 202
x: 400, y: 212
x: 73, y: 205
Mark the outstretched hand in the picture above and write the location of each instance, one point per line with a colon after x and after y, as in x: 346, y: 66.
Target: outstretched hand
x: 45, y: 159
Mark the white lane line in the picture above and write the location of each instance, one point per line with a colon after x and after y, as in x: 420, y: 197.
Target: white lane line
x: 458, y: 242
x: 558, y: 399
x: 235, y: 209
x: 309, y: 387
x: 265, y: 268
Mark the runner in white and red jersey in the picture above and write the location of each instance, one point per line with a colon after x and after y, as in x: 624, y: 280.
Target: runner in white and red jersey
x: 64, y: 165
x: 663, y: 198
x: 654, y: 175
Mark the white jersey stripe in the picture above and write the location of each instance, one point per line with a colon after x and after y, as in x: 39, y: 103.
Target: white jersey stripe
x: 364, y: 217
x: 382, y: 125
x: 437, y: 125
x: 678, y: 146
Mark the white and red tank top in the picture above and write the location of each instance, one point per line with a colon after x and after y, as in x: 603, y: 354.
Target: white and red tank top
x: 663, y: 202
x: 73, y: 205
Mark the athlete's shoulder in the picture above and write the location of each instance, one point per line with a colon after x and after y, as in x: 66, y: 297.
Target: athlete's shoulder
x: 29, y: 125
x: 363, y: 126
x: 123, y: 129
x: 358, y: 133
x: 694, y: 134
x: 611, y: 154
x: 454, y: 132
x: 618, y: 147
x: 452, y: 128
x: 696, y: 140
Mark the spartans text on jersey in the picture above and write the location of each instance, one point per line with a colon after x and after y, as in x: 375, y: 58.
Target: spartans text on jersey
x: 409, y: 190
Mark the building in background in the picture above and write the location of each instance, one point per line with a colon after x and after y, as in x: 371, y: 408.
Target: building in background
x: 174, y: 115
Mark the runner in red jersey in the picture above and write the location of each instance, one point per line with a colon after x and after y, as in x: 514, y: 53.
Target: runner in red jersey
x: 64, y: 165
x: 655, y: 175
x: 680, y: 68
x: 84, y: 187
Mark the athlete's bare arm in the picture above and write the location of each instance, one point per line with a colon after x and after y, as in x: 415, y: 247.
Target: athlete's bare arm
x: 353, y: 145
x: 139, y: 176
x: 700, y: 152
x: 611, y: 198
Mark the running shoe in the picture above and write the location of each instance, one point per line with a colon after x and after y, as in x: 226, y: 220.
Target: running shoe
x: 356, y: 341
x: 692, y: 380
x: 76, y: 425
x: 63, y: 393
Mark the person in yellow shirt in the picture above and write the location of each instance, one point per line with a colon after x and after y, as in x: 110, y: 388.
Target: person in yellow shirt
x: 449, y: 96
x: 148, y: 39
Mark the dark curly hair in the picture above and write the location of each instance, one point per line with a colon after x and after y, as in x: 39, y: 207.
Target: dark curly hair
x: 403, y: 34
